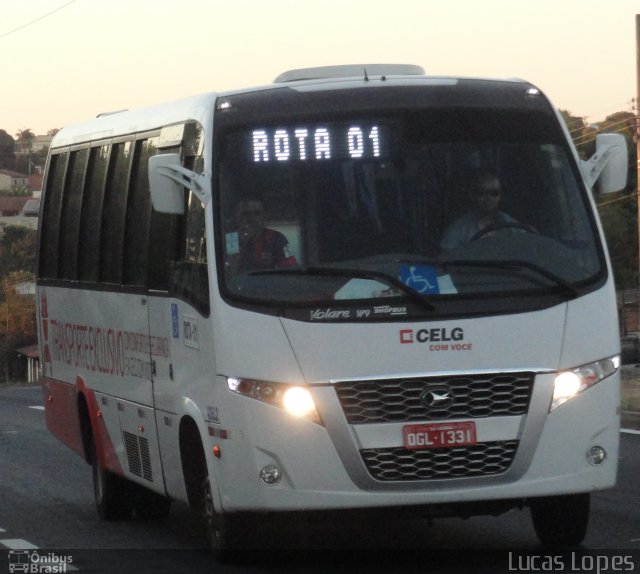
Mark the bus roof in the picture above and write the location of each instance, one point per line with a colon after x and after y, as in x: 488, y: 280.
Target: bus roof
x: 200, y: 108
x: 122, y: 123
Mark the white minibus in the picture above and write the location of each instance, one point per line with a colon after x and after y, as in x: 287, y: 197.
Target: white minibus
x: 359, y: 287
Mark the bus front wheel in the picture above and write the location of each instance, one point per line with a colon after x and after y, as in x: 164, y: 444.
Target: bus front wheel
x: 216, y: 524
x: 561, y: 521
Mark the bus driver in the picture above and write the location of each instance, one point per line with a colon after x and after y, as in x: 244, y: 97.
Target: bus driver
x: 484, y: 193
x: 258, y: 246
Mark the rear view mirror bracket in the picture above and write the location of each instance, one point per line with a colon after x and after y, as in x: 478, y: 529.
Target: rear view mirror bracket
x: 167, y: 180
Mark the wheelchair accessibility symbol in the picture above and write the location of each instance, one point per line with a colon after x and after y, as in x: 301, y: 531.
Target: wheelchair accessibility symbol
x: 421, y: 278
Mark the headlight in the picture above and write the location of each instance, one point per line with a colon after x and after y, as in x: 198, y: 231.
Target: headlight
x: 295, y: 399
x: 568, y: 384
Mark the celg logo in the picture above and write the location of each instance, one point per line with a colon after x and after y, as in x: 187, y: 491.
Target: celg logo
x: 437, y: 397
x: 433, y: 335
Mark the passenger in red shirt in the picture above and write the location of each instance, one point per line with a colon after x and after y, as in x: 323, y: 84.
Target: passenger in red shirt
x: 260, y: 247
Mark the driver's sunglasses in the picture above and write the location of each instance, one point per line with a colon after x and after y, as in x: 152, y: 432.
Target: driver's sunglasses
x: 488, y: 192
x: 250, y: 212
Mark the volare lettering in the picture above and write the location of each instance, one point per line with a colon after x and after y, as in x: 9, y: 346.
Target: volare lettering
x: 320, y: 314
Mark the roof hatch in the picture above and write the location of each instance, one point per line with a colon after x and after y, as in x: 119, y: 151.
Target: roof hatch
x: 350, y: 71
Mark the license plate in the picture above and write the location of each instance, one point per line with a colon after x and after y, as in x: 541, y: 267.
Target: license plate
x: 439, y: 435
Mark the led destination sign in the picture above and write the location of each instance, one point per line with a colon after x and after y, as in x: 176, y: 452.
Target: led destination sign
x: 318, y: 143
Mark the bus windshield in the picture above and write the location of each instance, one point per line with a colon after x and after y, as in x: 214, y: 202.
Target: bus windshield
x: 443, y: 208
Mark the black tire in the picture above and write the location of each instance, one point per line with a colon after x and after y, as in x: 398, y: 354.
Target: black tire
x: 561, y: 521
x: 217, y: 526
x: 149, y: 505
x: 112, y: 493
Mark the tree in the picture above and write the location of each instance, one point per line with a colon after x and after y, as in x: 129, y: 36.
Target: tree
x: 17, y: 250
x: 25, y: 140
x: 17, y: 324
x: 582, y: 134
x: 7, y: 151
x: 18, y: 307
x: 619, y: 211
x: 619, y: 220
x: 17, y: 310
x: 25, y: 145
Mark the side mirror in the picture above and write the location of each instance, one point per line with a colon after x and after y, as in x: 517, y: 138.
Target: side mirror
x: 614, y: 174
x: 167, y: 194
x: 167, y: 181
x: 609, y: 165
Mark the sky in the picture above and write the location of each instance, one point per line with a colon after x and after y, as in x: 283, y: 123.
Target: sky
x: 65, y: 61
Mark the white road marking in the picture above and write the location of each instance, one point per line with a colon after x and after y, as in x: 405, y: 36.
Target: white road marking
x: 17, y: 544
x: 37, y: 408
x: 630, y: 431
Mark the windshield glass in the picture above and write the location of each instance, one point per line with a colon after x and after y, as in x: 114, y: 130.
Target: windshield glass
x: 346, y: 203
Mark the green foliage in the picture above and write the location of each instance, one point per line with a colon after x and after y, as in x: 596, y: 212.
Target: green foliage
x: 7, y: 151
x: 619, y: 212
x: 17, y: 325
x: 619, y: 218
x: 17, y: 311
x: 15, y: 191
x: 17, y: 251
x: 582, y: 134
x: 25, y: 139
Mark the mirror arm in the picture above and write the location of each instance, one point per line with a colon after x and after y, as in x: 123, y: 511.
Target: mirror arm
x: 189, y: 179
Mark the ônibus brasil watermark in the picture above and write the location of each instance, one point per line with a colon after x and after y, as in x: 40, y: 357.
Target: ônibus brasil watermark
x: 39, y: 562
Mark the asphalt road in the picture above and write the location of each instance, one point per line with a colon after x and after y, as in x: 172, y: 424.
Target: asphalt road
x: 46, y: 506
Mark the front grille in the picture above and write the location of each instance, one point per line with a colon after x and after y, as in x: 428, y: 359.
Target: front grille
x: 474, y: 396
x: 398, y: 464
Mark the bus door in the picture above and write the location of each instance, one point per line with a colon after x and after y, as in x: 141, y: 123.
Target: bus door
x: 180, y: 331
x: 145, y: 341
x: 134, y: 405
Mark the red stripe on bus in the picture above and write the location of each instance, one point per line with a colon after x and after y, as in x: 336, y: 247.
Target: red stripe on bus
x: 63, y: 421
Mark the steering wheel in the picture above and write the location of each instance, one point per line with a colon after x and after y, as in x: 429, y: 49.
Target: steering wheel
x: 504, y: 225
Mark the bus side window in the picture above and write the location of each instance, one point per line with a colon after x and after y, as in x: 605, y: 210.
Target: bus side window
x: 164, y: 229
x: 196, y: 243
x: 113, y: 215
x: 162, y: 248
x: 138, y: 218
x: 50, y: 227
x: 91, y: 215
x: 189, y: 277
x: 71, y: 210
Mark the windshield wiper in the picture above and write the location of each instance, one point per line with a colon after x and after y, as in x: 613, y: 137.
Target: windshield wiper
x: 351, y: 274
x: 515, y: 264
